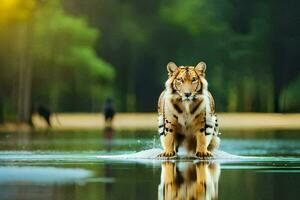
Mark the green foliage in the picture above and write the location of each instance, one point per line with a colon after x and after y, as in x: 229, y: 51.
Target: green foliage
x: 59, y: 57
x: 67, y: 41
x: 194, y: 15
x: 86, y: 57
x: 66, y: 45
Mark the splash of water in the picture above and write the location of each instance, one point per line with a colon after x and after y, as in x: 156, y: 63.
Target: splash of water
x: 154, y: 152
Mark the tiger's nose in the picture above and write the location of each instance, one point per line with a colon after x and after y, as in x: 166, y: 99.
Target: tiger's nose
x: 187, y: 94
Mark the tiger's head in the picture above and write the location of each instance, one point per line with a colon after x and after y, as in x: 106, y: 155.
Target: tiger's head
x: 187, y: 81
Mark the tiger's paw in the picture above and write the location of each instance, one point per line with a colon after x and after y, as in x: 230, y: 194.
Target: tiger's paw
x: 204, y: 154
x: 167, y: 154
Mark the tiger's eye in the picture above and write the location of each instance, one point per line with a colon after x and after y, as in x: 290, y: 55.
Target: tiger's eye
x: 194, y: 80
x: 179, y: 79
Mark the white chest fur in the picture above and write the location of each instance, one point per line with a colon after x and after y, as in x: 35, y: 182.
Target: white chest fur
x: 186, y: 118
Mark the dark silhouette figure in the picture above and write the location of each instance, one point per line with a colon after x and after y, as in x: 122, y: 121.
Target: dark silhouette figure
x: 45, y: 113
x: 109, y: 112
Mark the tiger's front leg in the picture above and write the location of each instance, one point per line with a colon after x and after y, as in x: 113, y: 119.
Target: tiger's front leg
x: 167, y: 137
x: 203, y: 141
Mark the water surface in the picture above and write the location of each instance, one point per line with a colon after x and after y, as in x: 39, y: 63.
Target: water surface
x: 65, y: 165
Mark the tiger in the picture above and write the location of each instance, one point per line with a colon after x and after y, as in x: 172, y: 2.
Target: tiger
x: 194, y: 181
x: 186, y: 113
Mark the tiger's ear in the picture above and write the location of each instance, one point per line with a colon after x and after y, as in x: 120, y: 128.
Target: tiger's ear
x: 201, y: 67
x: 171, y: 67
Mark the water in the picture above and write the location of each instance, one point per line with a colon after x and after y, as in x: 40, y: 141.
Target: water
x: 70, y: 165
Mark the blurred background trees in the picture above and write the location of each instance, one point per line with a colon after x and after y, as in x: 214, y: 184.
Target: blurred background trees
x: 71, y: 54
x: 48, y: 57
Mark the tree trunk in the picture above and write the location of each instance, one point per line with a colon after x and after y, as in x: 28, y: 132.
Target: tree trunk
x: 277, y: 33
x: 1, y: 110
x: 24, y: 74
x: 285, y: 49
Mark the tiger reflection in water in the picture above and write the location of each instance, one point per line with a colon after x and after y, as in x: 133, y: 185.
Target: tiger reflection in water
x: 195, y: 181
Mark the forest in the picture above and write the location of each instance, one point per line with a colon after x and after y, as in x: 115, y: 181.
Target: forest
x: 71, y: 54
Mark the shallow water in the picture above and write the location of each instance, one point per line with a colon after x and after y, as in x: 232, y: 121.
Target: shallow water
x: 70, y: 165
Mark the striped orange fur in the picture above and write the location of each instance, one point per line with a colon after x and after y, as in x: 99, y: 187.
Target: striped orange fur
x: 186, y: 112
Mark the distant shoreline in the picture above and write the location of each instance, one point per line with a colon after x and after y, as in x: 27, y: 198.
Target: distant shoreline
x: 147, y: 121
